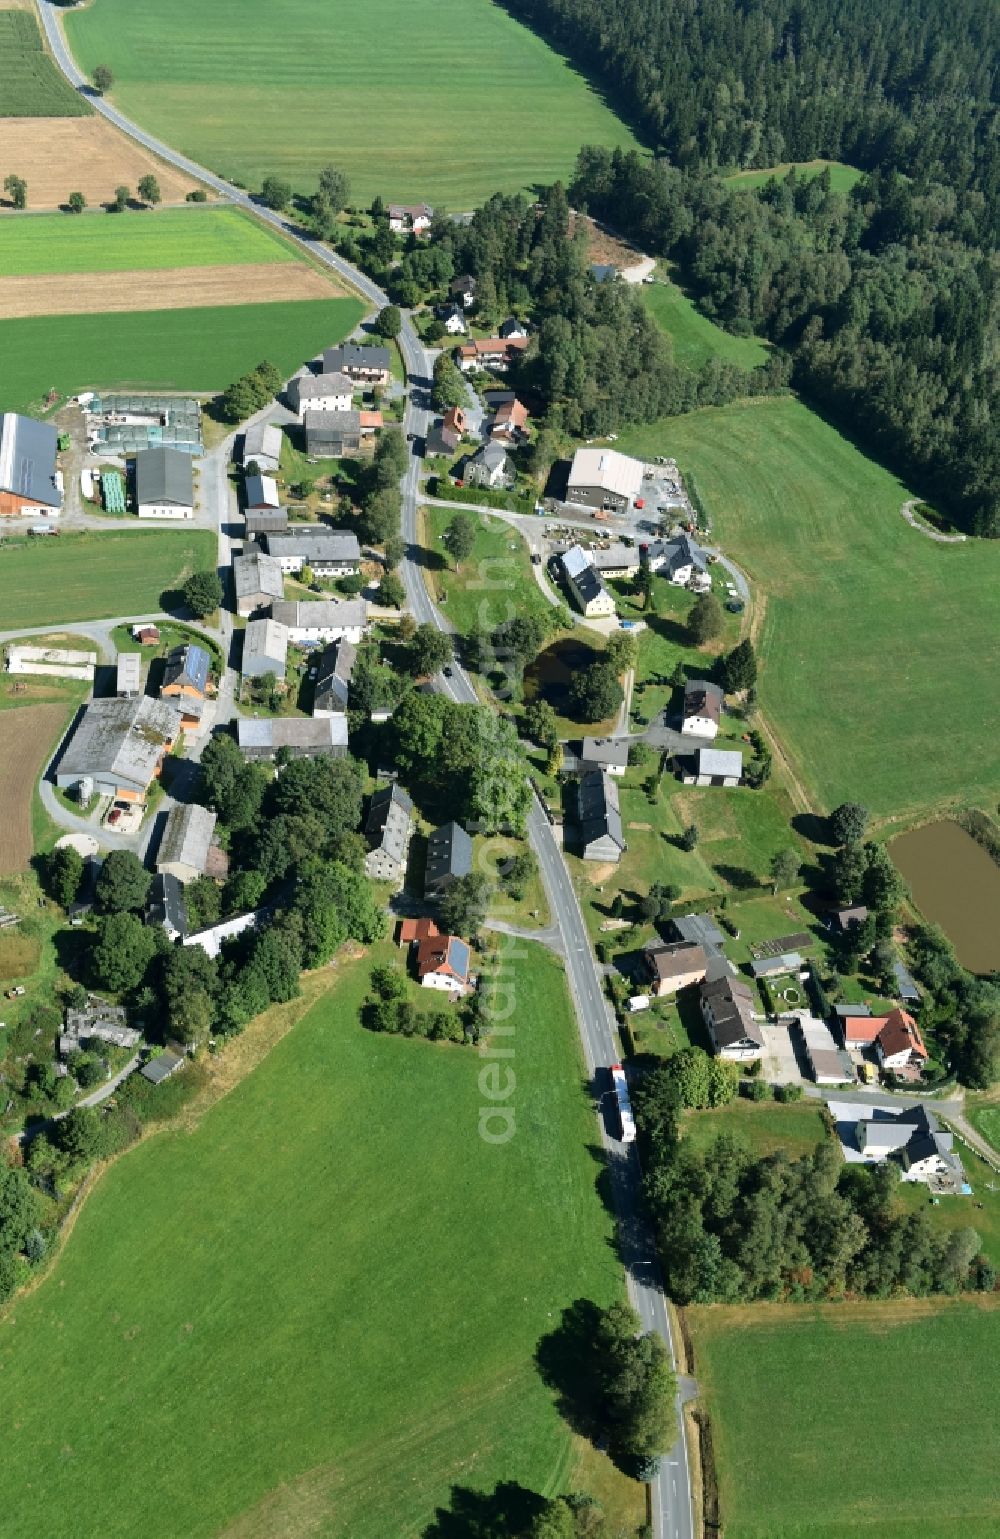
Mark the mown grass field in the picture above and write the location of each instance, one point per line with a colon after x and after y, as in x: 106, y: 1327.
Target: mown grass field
x: 200, y: 350
x: 696, y: 339
x: 876, y: 1419
x: 30, y: 84
x: 877, y: 646
x: 762, y: 1126
x: 494, y: 583
x: 196, y: 237
x: 842, y: 178
x: 444, y: 100
x: 95, y: 576
x: 324, y: 1300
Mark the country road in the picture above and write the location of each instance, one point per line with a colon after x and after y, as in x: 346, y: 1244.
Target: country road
x: 671, y: 1496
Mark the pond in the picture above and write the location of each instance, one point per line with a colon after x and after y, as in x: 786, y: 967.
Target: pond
x: 956, y: 885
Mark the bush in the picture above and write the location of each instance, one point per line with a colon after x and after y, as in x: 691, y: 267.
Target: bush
x: 755, y: 1089
x: 199, y: 195
x: 787, y: 1093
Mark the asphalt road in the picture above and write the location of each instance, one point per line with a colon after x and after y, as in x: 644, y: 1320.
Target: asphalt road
x: 671, y: 1490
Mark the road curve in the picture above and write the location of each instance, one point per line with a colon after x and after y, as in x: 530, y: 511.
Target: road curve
x: 672, y: 1508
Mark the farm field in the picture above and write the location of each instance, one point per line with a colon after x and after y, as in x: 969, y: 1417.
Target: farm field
x: 57, y: 156
x: 804, y: 1449
x: 842, y: 178
x: 402, y: 94
x: 96, y: 576
x: 200, y: 350
x: 171, y: 288
x: 297, y: 1274
x: 696, y: 339
x: 30, y: 84
x: 92, y: 243
x: 863, y: 617
x: 29, y: 734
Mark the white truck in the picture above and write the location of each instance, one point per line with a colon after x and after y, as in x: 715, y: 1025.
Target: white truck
x: 625, y: 1116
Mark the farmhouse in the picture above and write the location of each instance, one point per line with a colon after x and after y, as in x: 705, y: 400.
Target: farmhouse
x: 265, y: 521
x: 329, y: 552
x: 674, y: 967
x: 493, y: 353
x: 605, y: 753
x: 257, y: 580
x: 910, y: 1136
x: 330, y: 434
x: 510, y: 422
x: 464, y: 290
x: 449, y: 856
x: 388, y: 828
x: 605, y: 479
x: 119, y: 746
x: 185, y: 678
x: 261, y: 494
x: 302, y: 737
x: 53, y: 661
x: 727, y: 1009
x: 164, y: 484
x: 128, y: 674
x: 29, y: 480
x: 333, y: 679
x: 265, y: 649
x: 442, y: 962
x: 187, y: 839
x: 323, y: 620
x: 406, y: 217
x: 262, y: 446
x: 702, y: 711
x: 680, y: 560
x: 714, y: 767
x: 320, y: 392
x: 365, y: 365
x: 585, y: 583
x: 165, y: 906
x: 617, y: 561
x: 600, y: 818
x: 488, y: 467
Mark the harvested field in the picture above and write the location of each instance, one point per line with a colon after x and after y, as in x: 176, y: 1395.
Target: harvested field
x: 25, y: 744
x: 57, y: 156
x: 168, y: 288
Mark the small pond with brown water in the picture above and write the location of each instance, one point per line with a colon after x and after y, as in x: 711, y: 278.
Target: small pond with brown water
x: 956, y: 885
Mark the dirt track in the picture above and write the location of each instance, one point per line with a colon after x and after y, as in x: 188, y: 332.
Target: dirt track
x: 172, y: 288
x: 57, y: 156
x: 25, y: 742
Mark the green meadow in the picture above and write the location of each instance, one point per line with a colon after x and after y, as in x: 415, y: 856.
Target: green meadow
x: 842, y: 178
x: 200, y: 350
x: 444, y: 100
x: 169, y: 237
x: 30, y: 84
x: 316, y: 1310
x: 696, y: 339
x: 96, y: 576
x: 877, y: 646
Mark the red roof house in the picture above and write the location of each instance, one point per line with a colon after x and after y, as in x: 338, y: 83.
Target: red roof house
x: 417, y: 930
x: 899, y: 1044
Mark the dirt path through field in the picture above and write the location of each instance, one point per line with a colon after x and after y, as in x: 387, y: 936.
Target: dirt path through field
x: 57, y: 156
x: 27, y: 735
x: 170, y: 288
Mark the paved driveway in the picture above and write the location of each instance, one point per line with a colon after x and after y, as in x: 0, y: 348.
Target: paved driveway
x: 781, y: 1067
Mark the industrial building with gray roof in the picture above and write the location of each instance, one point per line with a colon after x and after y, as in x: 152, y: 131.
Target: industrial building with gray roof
x: 27, y: 464
x: 163, y: 477
x: 119, y: 745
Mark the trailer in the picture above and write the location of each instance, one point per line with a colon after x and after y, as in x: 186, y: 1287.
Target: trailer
x: 625, y: 1117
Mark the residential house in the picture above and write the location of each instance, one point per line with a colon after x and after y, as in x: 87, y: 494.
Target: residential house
x: 617, y: 561
x: 410, y: 218
x: 265, y: 649
x: 452, y: 318
x: 727, y: 1009
x: 302, y: 737
x: 389, y: 828
x: 605, y: 753
x: 442, y: 962
x: 257, y: 580
x: 262, y: 446
x: 510, y: 422
x: 714, y: 767
x: 449, y: 856
x: 411, y: 930
x: 604, y: 479
x: 165, y: 906
x: 261, y: 494
x: 899, y: 1045
x: 29, y: 480
x: 320, y: 392
x: 119, y: 746
x: 847, y: 918
x: 702, y: 711
x: 364, y: 365
x: 773, y: 967
x: 679, y: 559
x: 185, y: 682
x: 331, y: 687
x: 494, y: 354
x: 187, y: 839
x: 585, y: 583
x: 164, y: 484
x: 463, y: 289
x: 328, y: 552
x: 332, y: 434
x: 488, y: 467
x: 512, y: 327
x: 447, y: 433
x: 128, y: 674
x: 265, y: 521
x: 600, y: 817
x: 309, y: 623
x: 673, y: 967
x: 911, y: 1136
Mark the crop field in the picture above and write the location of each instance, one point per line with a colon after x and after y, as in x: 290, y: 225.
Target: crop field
x: 57, y: 156
x: 805, y: 1444
x: 842, y: 178
x: 198, y: 350
x: 170, y: 237
x: 444, y: 100
x: 172, y: 288
x: 860, y: 619
x: 30, y: 84
x: 696, y: 339
x: 28, y: 737
x: 325, y: 1300
x: 96, y: 576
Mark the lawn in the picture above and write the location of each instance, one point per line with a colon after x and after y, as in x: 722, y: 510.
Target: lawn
x: 762, y: 1126
x: 980, y: 1212
x: 740, y: 831
x: 696, y: 339
x: 815, y: 1427
x: 95, y: 576
x: 324, y: 1301
x: 864, y: 618
x: 30, y: 84
x: 445, y: 100
x: 986, y: 1120
x: 493, y: 584
x: 842, y: 178
x: 170, y: 237
x: 200, y: 350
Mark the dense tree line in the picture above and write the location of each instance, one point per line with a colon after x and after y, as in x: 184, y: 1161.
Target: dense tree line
x: 467, y: 756
x: 735, y: 1227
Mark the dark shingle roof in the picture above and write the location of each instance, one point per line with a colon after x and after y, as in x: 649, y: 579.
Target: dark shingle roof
x: 449, y: 855
x: 188, y: 665
x: 28, y: 459
x: 164, y: 475
x: 598, y: 808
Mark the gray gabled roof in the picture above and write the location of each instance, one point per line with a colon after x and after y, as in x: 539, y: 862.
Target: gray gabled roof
x: 123, y: 739
x: 265, y: 640
x: 599, y: 812
x: 28, y: 459
x: 388, y: 822
x: 164, y: 475
x: 187, y: 836
x: 165, y: 903
x: 698, y: 927
x: 315, y: 542
x: 309, y: 387
x: 493, y: 455
x: 254, y: 573
x: 333, y: 676
x: 449, y: 855
x: 322, y: 614
x: 348, y: 356
x: 306, y: 732
x: 598, y: 752
x: 262, y: 438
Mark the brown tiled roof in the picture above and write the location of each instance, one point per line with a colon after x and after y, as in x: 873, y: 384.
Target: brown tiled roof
x: 901, y: 1034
